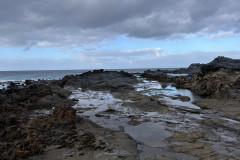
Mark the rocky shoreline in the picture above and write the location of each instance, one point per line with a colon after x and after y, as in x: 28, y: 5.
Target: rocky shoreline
x: 24, y: 133
x: 38, y: 119
x: 216, y: 82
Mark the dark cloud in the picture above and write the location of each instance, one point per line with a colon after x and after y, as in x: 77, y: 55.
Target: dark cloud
x: 73, y: 22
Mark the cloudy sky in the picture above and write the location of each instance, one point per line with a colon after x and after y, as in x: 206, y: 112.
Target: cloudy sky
x: 87, y: 34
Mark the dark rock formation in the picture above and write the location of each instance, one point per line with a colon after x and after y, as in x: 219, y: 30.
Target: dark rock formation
x: 225, y: 62
x: 220, y: 83
x: 217, y: 79
x: 23, y: 134
x: 101, y: 80
x: 17, y: 106
x: 157, y: 75
x: 219, y: 62
x: 30, y: 138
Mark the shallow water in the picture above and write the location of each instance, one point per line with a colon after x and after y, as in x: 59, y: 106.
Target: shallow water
x: 56, y: 74
x: 152, y: 129
x: 155, y: 88
x: 149, y: 134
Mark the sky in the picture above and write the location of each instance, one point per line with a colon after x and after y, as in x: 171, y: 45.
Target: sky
x: 116, y: 34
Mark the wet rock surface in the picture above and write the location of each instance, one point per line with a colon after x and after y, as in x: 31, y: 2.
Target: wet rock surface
x: 198, y: 149
x: 142, y: 118
x: 30, y: 138
x: 37, y: 122
x: 221, y: 83
x: 217, y: 80
x: 17, y: 102
x: 187, y: 137
x: 63, y: 130
x: 229, y: 107
x: 164, y: 124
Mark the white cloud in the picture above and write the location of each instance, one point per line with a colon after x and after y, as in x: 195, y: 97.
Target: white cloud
x: 222, y: 34
x: 91, y: 62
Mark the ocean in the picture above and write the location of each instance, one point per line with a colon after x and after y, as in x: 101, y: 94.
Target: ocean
x: 54, y: 74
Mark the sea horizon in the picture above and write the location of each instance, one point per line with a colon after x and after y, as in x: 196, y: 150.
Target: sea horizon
x: 23, y: 75
x: 89, y: 69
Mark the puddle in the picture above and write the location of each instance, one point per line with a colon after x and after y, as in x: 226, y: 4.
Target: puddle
x: 152, y: 129
x: 175, y: 74
x: 149, y: 152
x: 155, y: 88
x: 179, y: 103
x: 150, y: 133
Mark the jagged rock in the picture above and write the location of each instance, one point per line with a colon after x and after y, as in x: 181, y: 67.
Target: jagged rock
x: 157, y: 75
x: 99, y: 79
x: 230, y: 107
x: 217, y: 79
x: 198, y: 149
x: 218, y: 84
x: 187, y: 137
x: 181, y: 98
x: 223, y: 62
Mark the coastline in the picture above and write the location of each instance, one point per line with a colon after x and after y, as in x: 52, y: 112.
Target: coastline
x: 109, y: 114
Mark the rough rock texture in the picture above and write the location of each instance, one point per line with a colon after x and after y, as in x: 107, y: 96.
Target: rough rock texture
x: 187, y: 137
x: 32, y: 97
x: 198, y: 149
x: 157, y: 75
x: 63, y: 130
x: 178, y: 81
x: 61, y: 134
x: 100, y: 80
x: 230, y: 108
x: 222, y: 62
x: 17, y: 103
x: 217, y: 79
x: 141, y: 101
x: 220, y: 83
x: 180, y: 97
x: 26, y: 139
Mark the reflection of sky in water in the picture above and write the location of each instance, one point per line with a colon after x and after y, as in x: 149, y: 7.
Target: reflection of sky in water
x: 155, y: 88
x: 151, y: 134
x: 146, y: 133
x: 175, y: 75
x: 180, y: 103
x: 96, y: 102
x: 152, y: 130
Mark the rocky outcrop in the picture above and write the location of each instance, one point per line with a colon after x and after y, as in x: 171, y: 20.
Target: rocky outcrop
x: 23, y: 133
x: 101, y: 80
x: 30, y: 138
x: 178, y: 81
x: 187, y: 137
x: 218, y: 62
x: 157, y: 75
x: 198, y: 149
x: 17, y: 103
x: 224, y: 62
x: 60, y: 131
x: 217, y: 79
x: 229, y: 107
x: 221, y: 83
